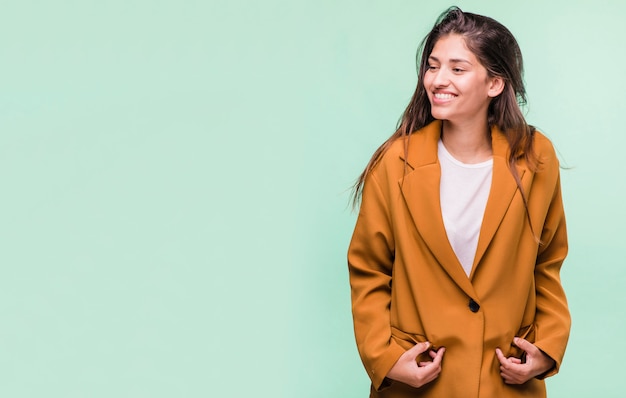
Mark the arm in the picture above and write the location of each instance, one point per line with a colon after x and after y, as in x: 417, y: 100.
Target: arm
x: 552, y: 319
x: 370, y: 262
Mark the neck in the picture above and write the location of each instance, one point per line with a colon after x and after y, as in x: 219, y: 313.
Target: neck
x: 467, y: 143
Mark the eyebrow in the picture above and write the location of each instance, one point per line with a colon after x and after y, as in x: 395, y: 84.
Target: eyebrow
x: 452, y: 60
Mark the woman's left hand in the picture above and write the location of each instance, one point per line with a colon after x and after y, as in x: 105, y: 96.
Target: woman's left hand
x: 513, y: 371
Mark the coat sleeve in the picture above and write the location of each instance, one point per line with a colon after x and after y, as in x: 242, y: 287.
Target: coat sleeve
x: 370, y: 263
x: 552, y: 317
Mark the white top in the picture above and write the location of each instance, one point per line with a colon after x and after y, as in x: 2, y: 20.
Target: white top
x: 463, y: 194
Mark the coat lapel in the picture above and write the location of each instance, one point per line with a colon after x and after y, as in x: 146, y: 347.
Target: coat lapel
x: 503, y: 188
x: 420, y: 189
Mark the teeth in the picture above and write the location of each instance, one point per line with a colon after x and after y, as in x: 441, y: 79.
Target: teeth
x: 443, y: 96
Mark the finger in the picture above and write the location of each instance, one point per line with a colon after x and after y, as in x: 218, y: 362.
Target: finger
x: 417, y: 349
x: 436, y: 362
x: 439, y: 356
x: 510, y: 369
x: 510, y: 364
x: 433, y: 355
x: 500, y: 356
x: 431, y: 370
x: 509, y: 376
x: 505, y: 377
x: 525, y: 345
x: 515, y: 372
x: 504, y: 360
x: 511, y: 379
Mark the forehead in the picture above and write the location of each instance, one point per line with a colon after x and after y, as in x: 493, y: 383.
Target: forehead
x: 452, y: 46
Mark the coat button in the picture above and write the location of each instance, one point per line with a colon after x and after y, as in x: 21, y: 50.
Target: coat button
x: 473, y: 306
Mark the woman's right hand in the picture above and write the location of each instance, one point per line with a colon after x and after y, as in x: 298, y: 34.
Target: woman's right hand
x: 407, y: 370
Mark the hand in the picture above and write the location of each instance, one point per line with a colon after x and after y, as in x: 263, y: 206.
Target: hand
x: 407, y: 370
x: 513, y: 371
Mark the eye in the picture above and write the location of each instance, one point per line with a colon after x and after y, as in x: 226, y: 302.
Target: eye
x: 457, y: 70
x: 431, y: 67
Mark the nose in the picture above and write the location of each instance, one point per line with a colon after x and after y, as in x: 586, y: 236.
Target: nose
x: 441, y: 78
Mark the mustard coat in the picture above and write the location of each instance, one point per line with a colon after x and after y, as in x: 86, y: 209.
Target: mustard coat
x: 407, y: 285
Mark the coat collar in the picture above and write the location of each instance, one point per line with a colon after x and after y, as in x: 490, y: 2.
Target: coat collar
x: 420, y: 189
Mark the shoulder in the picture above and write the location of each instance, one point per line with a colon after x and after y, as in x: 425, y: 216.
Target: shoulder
x: 391, y: 162
x: 544, y: 149
x: 547, y: 169
x: 415, y: 150
x: 396, y: 149
x: 542, y: 144
x: 406, y: 153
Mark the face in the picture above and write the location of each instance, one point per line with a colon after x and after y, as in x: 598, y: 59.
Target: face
x: 458, y: 86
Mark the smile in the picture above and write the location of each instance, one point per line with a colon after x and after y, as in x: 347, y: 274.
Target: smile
x: 444, y: 96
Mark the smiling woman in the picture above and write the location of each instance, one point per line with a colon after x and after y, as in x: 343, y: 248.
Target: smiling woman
x: 445, y: 259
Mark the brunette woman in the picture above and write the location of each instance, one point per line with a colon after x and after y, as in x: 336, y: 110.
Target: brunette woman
x: 455, y: 258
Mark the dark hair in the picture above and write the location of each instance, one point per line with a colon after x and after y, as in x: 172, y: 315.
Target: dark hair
x: 497, y: 50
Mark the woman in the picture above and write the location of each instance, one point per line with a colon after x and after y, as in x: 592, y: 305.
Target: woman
x: 455, y: 258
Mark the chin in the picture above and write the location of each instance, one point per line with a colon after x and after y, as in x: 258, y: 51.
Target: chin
x: 438, y: 114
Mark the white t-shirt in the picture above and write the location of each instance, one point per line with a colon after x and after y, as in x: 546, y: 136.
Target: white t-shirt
x: 463, y: 194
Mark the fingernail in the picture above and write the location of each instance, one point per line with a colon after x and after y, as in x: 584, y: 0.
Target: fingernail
x: 515, y: 340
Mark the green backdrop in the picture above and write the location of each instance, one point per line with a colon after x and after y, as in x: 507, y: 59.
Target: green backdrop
x: 175, y: 182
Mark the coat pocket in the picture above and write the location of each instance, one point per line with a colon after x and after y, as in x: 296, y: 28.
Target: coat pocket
x: 527, y: 333
x: 408, y: 341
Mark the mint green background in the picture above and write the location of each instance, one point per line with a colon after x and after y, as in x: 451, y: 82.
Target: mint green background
x: 175, y: 178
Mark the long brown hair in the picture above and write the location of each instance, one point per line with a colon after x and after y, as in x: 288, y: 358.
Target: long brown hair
x: 497, y: 50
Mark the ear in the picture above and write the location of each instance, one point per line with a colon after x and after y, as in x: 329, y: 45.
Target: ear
x: 496, y: 87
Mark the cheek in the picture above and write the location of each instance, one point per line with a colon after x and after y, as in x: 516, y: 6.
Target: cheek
x: 427, y: 80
